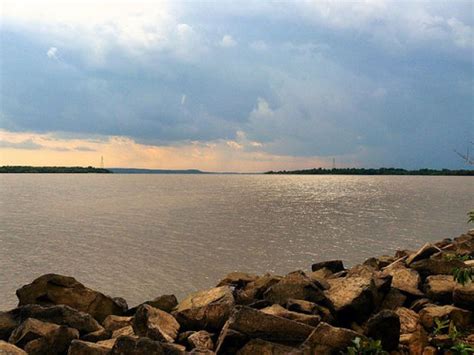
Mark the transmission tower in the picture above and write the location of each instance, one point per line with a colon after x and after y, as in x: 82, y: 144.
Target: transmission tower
x: 102, y: 162
x: 466, y: 157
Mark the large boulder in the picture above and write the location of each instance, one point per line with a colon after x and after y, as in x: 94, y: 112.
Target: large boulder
x: 80, y: 347
x: 463, y: 296
x: 436, y: 265
x: 53, y: 289
x: 164, y: 302
x: 440, y: 288
x: 353, y: 298
x: 259, y: 346
x: 385, y: 326
x: 393, y: 299
x: 460, y: 317
x: 55, y: 342
x: 237, y: 279
x: 277, y: 310
x: 10, y: 349
x: 404, y: 279
x: 257, y: 324
x: 29, y: 330
x: 295, y: 285
x: 230, y: 341
x: 62, y: 315
x: 155, y: 324
x: 205, y: 309
x: 326, y: 339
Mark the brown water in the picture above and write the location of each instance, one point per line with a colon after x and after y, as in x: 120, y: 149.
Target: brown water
x: 139, y: 236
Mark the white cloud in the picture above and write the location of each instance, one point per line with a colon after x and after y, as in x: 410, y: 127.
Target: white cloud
x: 52, y: 53
x: 262, y: 110
x: 227, y: 41
x: 183, y: 99
x: 259, y: 45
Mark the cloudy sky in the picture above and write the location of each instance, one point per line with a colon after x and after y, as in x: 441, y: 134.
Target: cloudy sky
x: 236, y: 85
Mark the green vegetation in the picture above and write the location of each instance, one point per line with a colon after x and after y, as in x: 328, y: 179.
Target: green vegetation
x: 365, y: 347
x: 463, y: 275
x: 381, y: 171
x: 52, y: 169
x: 463, y: 258
x: 471, y: 217
x: 462, y: 349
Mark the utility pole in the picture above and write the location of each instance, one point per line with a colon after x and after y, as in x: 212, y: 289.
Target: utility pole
x: 333, y: 163
x: 102, y: 162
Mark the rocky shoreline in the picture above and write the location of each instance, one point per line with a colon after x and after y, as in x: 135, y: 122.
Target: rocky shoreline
x: 409, y: 303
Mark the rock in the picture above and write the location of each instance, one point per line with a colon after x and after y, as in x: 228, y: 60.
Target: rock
x: 460, y: 317
x: 128, y: 330
x: 295, y: 285
x: 155, y: 324
x: 420, y: 303
x: 237, y: 279
x: 440, y: 288
x: 302, y: 306
x: 53, y: 289
x: 29, y: 330
x: 176, y: 349
x: 332, y: 265
x: 61, y: 315
x: 55, y: 342
x: 79, y: 347
x: 206, y: 309
x: 126, y: 345
x: 254, y: 290
x: 320, y: 274
x: 96, y: 336
x: 404, y: 279
x: 331, y: 339
x: 112, y: 322
x: 463, y: 296
x: 393, y: 299
x: 423, y: 253
x: 165, y: 302
x: 380, y: 262
x: 279, y: 311
x: 385, y: 326
x: 430, y: 350
x: 10, y: 349
x: 259, y: 346
x: 201, y: 340
x: 109, y: 343
x: 436, y: 266
x: 260, y: 304
x: 412, y: 334
x: 8, y: 323
x: 257, y: 324
x: 352, y: 297
x: 230, y: 341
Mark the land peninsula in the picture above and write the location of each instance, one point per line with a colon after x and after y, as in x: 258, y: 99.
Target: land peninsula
x: 53, y: 170
x: 413, y: 302
x: 380, y: 171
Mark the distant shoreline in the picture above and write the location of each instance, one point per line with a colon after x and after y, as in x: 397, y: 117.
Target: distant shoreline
x: 52, y: 170
x: 381, y: 171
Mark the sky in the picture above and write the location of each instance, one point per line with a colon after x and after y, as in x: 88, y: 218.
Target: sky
x: 236, y: 85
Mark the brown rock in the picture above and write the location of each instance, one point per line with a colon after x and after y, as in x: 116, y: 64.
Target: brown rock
x: 230, y: 341
x: 96, y: 336
x: 29, y: 330
x: 393, y: 299
x: 409, y: 320
x: 257, y: 324
x: 423, y: 253
x: 412, y: 334
x: 321, y: 274
x: 112, y: 322
x: 404, y: 279
x: 53, y: 343
x: 126, y: 345
x: 259, y: 346
x: 8, y: 323
x: 460, y: 317
x: 165, y: 302
x: 237, y: 279
x: 440, y: 288
x: 155, y: 324
x: 277, y: 310
x: 53, y: 289
x: 330, y: 338
x: 128, y: 330
x: 295, y: 285
x: 10, y: 349
x: 254, y: 290
x: 332, y: 265
x: 61, y: 315
x: 206, y: 309
x: 352, y: 297
x: 435, y: 266
x: 385, y: 326
x: 201, y: 340
x: 79, y: 347
x: 302, y: 306
x: 430, y: 350
x: 463, y: 296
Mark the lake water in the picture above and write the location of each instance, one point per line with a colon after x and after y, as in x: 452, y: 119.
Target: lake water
x: 140, y: 236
